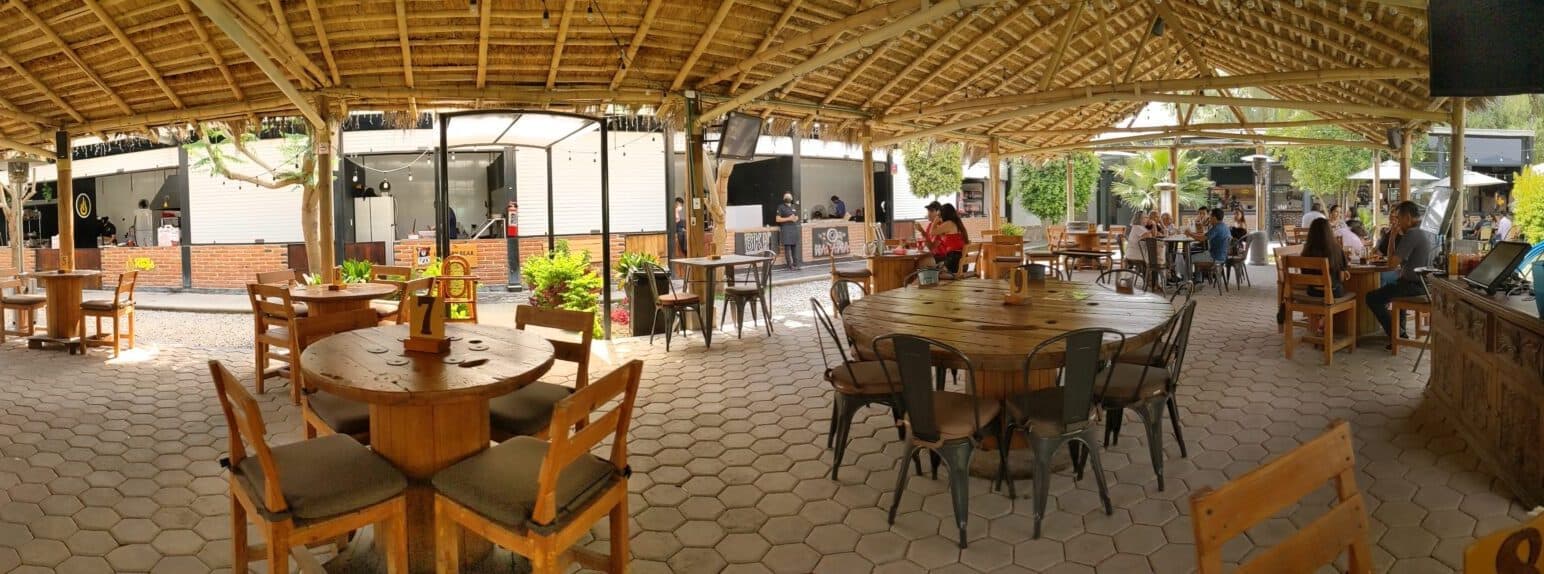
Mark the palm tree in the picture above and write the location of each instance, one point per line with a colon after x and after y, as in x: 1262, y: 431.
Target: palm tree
x: 1137, y: 180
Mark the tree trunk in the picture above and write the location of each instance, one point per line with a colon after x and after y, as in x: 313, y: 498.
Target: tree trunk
x: 310, y: 224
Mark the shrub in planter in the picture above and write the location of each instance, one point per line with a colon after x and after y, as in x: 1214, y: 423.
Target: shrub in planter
x: 563, y: 279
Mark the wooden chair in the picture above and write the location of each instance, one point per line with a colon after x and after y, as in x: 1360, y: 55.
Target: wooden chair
x: 305, y: 493
x: 527, y: 411
x: 119, y: 307
x: 458, y: 286
x: 861, y: 274
x: 25, y: 305
x: 273, y: 316
x: 324, y: 413
x: 674, y: 306
x: 1231, y: 509
x: 1007, y: 257
x: 970, y: 262
x: 280, y: 277
x: 387, y: 311
x: 1420, y: 305
x: 1296, y: 273
x: 539, y: 498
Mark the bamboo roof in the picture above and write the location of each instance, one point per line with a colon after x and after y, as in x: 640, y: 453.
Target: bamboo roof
x: 1035, y: 74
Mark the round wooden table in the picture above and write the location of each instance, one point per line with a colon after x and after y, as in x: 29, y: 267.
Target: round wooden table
x: 427, y: 411
x: 890, y: 270
x: 321, y: 300
x: 1364, y: 279
x: 1087, y: 240
x: 63, y: 313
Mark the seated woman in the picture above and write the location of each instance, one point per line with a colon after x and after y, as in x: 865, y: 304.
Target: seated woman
x: 1240, y: 225
x: 1321, y: 243
x: 948, y: 238
x: 1139, y: 228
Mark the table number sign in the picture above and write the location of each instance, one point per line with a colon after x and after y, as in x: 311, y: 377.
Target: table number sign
x: 426, y: 325
x: 1517, y: 550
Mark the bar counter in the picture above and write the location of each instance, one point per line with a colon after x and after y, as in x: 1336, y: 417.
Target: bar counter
x: 1487, y: 376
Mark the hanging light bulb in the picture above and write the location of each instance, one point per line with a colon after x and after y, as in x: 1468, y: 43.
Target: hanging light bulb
x: 410, y: 174
x: 546, y: 17
x: 589, y: 13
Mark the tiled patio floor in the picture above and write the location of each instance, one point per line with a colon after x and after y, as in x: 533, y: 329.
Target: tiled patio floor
x: 111, y: 466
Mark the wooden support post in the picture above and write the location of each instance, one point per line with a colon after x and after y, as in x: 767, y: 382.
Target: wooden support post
x: 1404, y: 165
x: 870, y: 216
x: 1377, y: 187
x: 1456, y: 173
x: 1262, y: 191
x: 1071, y: 195
x: 325, y: 228
x: 695, y: 186
x: 1174, y: 179
x: 66, y: 202
x: 995, y: 181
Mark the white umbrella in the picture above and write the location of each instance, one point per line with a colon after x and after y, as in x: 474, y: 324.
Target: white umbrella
x: 1389, y: 171
x: 1471, y: 179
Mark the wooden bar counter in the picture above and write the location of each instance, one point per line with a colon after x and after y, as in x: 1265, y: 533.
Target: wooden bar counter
x: 1487, y: 375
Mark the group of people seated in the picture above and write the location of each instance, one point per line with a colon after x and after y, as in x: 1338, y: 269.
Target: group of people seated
x: 1213, y: 234
x: 1403, y: 245
x: 944, y: 238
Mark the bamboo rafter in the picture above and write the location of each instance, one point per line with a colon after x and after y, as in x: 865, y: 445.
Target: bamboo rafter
x: 724, y: 6
x: 64, y: 47
x: 128, y: 44
x: 638, y: 37
x: 766, y: 41
x: 320, y: 29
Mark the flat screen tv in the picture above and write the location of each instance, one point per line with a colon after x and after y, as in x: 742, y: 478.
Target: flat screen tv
x: 1486, y: 47
x: 738, y: 141
x: 1497, y: 266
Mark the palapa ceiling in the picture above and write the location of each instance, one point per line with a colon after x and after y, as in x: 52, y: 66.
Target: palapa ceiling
x: 1036, y: 74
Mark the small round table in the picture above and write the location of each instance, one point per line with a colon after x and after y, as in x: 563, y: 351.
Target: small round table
x: 890, y: 270
x: 427, y: 411
x: 1087, y: 240
x: 321, y: 300
x: 63, y: 292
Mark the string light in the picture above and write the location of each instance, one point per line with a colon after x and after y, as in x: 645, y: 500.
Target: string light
x: 589, y: 12
x: 546, y: 17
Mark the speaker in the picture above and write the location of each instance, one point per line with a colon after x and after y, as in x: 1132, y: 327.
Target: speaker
x: 1396, y: 138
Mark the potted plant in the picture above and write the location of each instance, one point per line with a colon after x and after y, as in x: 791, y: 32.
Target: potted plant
x: 356, y: 271
x: 635, y: 282
x: 1009, y: 234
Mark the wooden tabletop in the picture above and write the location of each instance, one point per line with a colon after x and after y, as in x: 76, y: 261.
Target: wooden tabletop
x: 1369, y: 267
x: 726, y: 260
x: 971, y: 316
x: 370, y: 365
x: 349, y: 292
x: 891, y: 255
x: 76, y: 274
x: 1179, y: 239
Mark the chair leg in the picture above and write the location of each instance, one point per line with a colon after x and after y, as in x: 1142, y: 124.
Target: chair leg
x: 1044, y: 449
x: 1004, y: 444
x: 447, y: 540
x: 620, y: 555
x: 957, y: 461
x: 655, y: 328
x: 1179, y: 436
x: 131, y: 328
x: 701, y: 320
x: 1329, y: 338
x: 846, y: 407
x: 1152, y: 422
x: 1353, y: 328
x: 239, y: 557
x: 394, y: 538
x: 278, y: 550
x: 261, y: 351
x: 835, y: 409
x: 766, y: 313
x: 115, y: 335
x: 670, y: 325
x: 739, y: 318
x: 1091, y: 452
x: 901, y: 477
x: 1289, y: 333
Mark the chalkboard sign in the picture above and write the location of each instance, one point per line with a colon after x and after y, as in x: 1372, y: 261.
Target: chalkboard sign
x: 828, y: 241
x: 749, y: 242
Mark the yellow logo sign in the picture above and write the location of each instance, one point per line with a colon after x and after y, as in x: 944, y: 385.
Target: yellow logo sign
x: 82, y: 206
x: 1518, y: 550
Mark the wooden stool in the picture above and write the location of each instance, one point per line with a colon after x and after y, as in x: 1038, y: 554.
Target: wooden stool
x: 1421, y: 306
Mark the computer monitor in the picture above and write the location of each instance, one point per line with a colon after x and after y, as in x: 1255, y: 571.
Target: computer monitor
x: 1497, y: 266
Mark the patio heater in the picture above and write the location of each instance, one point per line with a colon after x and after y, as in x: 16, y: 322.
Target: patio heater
x: 19, y: 170
x: 1262, y: 171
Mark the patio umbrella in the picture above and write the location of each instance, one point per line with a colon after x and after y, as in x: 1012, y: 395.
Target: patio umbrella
x: 1389, y: 171
x: 1471, y: 179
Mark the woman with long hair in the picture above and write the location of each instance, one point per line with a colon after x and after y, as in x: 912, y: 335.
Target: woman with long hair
x: 949, y: 238
x: 1321, y: 243
x: 1138, y: 229
x: 1240, y: 226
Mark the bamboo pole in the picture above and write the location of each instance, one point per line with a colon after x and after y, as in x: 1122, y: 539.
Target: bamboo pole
x: 65, y: 201
x: 407, y: 53
x: 326, y: 45
x: 1456, y: 174
x: 724, y: 6
x: 222, y: 17
x: 870, y: 216
x: 766, y: 41
x: 1072, y: 205
x: 266, y: 34
x: 993, y: 118
x: 915, y: 60
x: 637, y: 42
x: 695, y: 159
x: 1404, y: 165
x: 25, y: 148
x: 854, y: 22
x: 557, y: 48
x: 995, y: 181
x: 69, y: 53
x: 324, y: 145
x: 1377, y: 187
x: 128, y: 45
x: 41, y: 87
x: 1174, y: 179
x: 970, y: 48
x: 1061, y: 46
x: 856, y: 71
x: 208, y: 43
x: 1193, y: 126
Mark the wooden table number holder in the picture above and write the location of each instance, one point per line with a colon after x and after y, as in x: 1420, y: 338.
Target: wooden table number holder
x: 426, y: 326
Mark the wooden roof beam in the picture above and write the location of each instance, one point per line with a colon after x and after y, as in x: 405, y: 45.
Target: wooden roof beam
x: 128, y: 44
x: 278, y: 16
x: 38, y: 84
x: 989, y: 119
x: 724, y: 6
x: 265, y: 34
x: 1329, y: 107
x: 220, y: 14
x: 855, y: 72
x: 321, y: 38
x: 1201, y: 126
x: 26, y: 148
x: 789, y: 87
x: 777, y: 28
x: 1010, y: 51
x: 10, y: 111
x: 484, y: 22
x: 209, y: 48
x: 69, y: 53
x: 407, y: 47
x: 638, y: 37
x: 1061, y: 46
x: 557, y: 47
x: 860, y: 20
x: 915, y: 60
x: 868, y: 39
x: 970, y: 47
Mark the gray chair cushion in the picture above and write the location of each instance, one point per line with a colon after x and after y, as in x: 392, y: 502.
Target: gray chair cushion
x: 326, y: 477
x: 742, y: 290
x: 527, y: 411
x: 1302, y: 298
x: 1040, y: 412
x: 301, y: 309
x: 383, y: 308
x: 956, y: 414
x: 1131, y: 383
x: 341, y: 415
x: 24, y: 300
x: 1144, y: 355
x: 871, y: 378
x: 853, y: 272
x: 501, y: 483
x: 97, y: 305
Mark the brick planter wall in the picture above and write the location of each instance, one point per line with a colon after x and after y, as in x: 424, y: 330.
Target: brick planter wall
x: 233, y: 266
x: 167, y: 261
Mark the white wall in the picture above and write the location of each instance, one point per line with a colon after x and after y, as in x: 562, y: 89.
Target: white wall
x: 637, y: 184
x: 226, y: 211
x: 119, y: 195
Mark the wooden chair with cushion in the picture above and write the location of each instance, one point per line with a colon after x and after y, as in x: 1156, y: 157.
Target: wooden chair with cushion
x: 305, y: 493
x: 540, y: 498
x: 1420, y: 306
x: 273, y: 316
x: 285, y: 278
x: 458, y: 286
x: 527, y: 411
x: 25, y: 305
x: 119, y: 307
x: 1301, y: 273
x: 1218, y: 515
x: 324, y: 413
x: 674, y: 306
x: 1007, y: 257
x: 859, y: 273
x: 387, y: 311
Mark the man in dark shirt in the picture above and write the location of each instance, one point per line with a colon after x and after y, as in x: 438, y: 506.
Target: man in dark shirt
x: 108, y: 231
x: 788, y: 230
x: 1410, y: 249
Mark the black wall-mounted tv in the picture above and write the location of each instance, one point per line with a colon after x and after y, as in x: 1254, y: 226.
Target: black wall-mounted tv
x: 1486, y: 47
x: 738, y: 141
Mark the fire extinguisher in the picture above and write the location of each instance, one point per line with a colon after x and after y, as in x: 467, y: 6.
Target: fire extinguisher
x: 512, y: 220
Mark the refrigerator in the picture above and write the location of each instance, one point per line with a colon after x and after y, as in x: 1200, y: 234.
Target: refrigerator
x: 375, y: 219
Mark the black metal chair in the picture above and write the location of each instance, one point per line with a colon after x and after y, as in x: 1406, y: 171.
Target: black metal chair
x: 841, y: 293
x: 1056, y: 416
x: 857, y: 383
x: 1113, y: 278
x: 1149, y: 387
x: 673, y: 306
x: 947, y: 423
x: 1237, y: 269
x: 755, y: 291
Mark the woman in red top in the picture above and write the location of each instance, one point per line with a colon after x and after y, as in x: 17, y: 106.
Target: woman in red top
x: 948, y: 239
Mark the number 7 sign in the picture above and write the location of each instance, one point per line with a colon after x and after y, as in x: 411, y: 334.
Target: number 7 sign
x: 426, y: 317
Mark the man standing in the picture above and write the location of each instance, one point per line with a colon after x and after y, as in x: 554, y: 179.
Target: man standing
x: 1411, y: 249
x: 680, y: 226
x: 144, y: 226
x: 107, y: 232
x: 1503, y: 227
x: 788, y: 230
x: 838, y: 208
x: 1314, y: 212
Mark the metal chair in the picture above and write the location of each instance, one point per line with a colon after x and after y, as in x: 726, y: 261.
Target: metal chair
x: 756, y: 293
x: 1113, y: 278
x: 1148, y: 389
x: 857, y: 383
x: 947, y: 423
x: 1237, y: 266
x: 841, y: 293
x: 673, y: 306
x: 1059, y: 415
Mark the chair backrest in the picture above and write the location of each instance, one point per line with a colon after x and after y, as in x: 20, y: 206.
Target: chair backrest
x: 841, y: 293
x: 271, y: 306
x: 1111, y: 279
x: 1150, y: 250
x: 653, y: 271
x: 1169, y: 350
x: 566, y: 445
x: 914, y: 379
x: 1115, y: 236
x: 573, y: 330
x: 245, y: 421
x: 283, y: 276
x: 824, y: 322
x: 1220, y: 514
x: 123, y: 294
x: 390, y: 273
x: 1303, y: 272
x: 971, y: 259
x: 761, y: 271
x: 408, y: 289
x: 14, y: 283
x: 1084, y: 357
x: 1054, y: 234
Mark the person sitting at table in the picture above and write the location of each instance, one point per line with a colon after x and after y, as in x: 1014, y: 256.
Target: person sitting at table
x: 1240, y: 225
x: 949, y: 238
x: 1350, y: 241
x: 1166, y: 223
x: 1321, y: 243
x: 1216, y: 240
x: 1139, y: 228
x: 838, y: 208
x: 1411, y: 249
x: 1203, y: 220
x: 1152, y: 222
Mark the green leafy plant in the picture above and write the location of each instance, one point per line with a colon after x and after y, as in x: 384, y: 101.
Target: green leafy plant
x: 633, y: 261
x: 1136, y: 180
x: 1010, y: 229
x: 356, y: 271
x: 1528, y: 204
x: 1323, y: 169
x: 310, y: 279
x: 934, y: 169
x: 1041, y: 187
x: 563, y: 279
